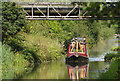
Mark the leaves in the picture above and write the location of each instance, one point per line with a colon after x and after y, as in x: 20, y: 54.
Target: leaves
x: 13, y: 18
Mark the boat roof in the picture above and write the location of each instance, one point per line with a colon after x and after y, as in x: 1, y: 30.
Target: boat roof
x: 78, y: 39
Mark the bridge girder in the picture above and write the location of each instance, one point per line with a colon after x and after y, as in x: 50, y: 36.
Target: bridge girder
x: 57, y: 11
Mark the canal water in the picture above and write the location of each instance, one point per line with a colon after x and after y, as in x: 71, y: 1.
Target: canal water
x: 63, y: 70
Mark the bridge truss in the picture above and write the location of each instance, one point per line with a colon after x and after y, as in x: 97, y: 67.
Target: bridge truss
x: 57, y: 11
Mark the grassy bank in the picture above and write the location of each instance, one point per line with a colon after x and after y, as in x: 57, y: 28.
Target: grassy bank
x: 13, y: 64
x: 45, y: 49
x: 35, y: 47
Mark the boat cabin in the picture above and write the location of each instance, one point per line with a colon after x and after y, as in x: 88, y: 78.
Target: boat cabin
x: 77, y: 48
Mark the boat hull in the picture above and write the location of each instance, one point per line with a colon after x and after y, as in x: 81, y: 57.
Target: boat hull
x: 78, y: 59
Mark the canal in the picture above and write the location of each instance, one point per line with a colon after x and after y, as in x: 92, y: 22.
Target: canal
x: 62, y: 70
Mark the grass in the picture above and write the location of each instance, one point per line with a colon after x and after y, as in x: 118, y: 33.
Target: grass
x: 12, y: 64
x: 47, y: 49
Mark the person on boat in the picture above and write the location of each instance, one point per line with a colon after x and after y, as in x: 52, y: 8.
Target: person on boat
x: 72, y: 44
x: 84, y: 39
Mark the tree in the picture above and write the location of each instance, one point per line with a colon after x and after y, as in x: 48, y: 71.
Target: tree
x: 109, y: 9
x: 13, y: 19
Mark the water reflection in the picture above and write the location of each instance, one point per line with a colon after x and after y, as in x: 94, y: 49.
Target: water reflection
x: 67, y: 70
x: 77, y: 70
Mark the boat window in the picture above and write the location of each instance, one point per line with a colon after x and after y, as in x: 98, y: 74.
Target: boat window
x: 77, y: 47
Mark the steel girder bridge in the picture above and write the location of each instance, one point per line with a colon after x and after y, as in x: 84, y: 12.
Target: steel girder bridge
x: 57, y: 11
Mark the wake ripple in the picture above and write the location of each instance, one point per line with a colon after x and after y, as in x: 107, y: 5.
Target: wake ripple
x: 96, y: 59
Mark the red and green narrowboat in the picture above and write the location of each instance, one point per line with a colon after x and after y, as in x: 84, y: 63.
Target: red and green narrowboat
x: 77, y: 50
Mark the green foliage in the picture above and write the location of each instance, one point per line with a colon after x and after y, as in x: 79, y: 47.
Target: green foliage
x: 44, y: 40
x: 42, y: 48
x: 15, y: 42
x: 14, y: 22
x: 14, y: 56
x: 110, y: 56
x: 17, y: 45
x: 99, y: 9
x: 12, y: 62
x: 116, y: 49
x: 118, y: 41
x: 13, y: 19
x: 64, y: 31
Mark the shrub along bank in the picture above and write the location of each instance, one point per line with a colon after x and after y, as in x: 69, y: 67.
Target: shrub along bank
x: 116, y: 48
x: 16, y: 34
x: 13, y: 64
x: 64, y: 31
x: 110, y: 56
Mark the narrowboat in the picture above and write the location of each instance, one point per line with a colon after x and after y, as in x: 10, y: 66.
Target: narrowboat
x: 77, y: 50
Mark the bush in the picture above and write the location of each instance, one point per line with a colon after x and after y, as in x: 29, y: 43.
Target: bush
x: 42, y: 48
x: 64, y: 31
x: 110, y: 56
x: 13, y: 19
x: 12, y: 62
x: 116, y: 49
